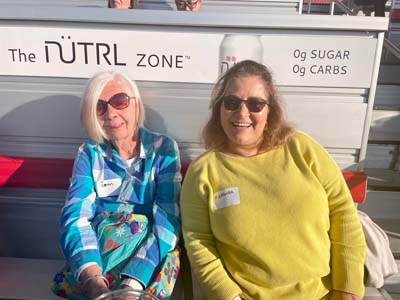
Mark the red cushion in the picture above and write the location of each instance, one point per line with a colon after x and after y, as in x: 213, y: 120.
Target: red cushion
x: 54, y: 173
x: 357, y: 183
x: 34, y: 172
x: 184, y: 167
x: 8, y: 166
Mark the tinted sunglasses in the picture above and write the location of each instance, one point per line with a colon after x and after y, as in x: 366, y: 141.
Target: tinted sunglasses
x: 253, y: 104
x: 183, y: 4
x: 118, y: 101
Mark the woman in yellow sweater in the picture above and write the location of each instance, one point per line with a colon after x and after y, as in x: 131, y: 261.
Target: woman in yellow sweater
x: 266, y: 213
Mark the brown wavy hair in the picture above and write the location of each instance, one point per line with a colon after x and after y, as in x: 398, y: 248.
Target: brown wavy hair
x: 277, y: 131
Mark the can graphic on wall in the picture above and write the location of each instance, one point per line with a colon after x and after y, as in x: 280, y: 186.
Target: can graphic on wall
x: 237, y: 47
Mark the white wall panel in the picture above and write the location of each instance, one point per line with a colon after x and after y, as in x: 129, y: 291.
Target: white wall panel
x: 321, y: 121
x: 41, y: 117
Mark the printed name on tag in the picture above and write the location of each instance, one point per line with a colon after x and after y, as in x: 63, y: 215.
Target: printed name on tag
x: 226, y: 197
x: 108, y: 187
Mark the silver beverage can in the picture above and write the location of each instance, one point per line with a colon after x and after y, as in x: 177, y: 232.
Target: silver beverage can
x: 126, y: 294
x: 237, y: 47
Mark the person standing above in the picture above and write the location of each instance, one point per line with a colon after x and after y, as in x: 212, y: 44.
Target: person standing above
x: 124, y: 4
x: 120, y: 224
x: 188, y: 5
x: 266, y: 213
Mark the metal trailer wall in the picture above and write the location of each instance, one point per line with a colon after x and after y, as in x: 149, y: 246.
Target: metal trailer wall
x: 39, y: 113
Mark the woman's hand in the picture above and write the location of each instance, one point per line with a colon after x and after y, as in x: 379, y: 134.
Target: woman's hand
x: 95, y: 288
x: 339, y: 295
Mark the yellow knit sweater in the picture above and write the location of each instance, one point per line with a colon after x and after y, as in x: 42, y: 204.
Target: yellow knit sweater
x: 278, y: 225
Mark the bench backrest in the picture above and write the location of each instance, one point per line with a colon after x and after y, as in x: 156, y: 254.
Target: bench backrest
x: 33, y: 191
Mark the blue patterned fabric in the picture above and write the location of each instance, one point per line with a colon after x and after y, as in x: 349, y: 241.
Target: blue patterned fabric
x: 103, y: 182
x: 119, y: 235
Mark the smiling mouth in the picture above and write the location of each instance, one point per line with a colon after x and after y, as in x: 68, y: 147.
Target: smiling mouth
x: 114, y: 126
x: 242, y: 124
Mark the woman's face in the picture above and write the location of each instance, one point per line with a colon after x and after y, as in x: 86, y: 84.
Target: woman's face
x: 243, y: 128
x: 118, y: 124
x: 120, y: 3
x: 188, y: 5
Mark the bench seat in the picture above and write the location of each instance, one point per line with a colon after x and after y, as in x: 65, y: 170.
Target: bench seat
x: 24, y: 278
x: 28, y: 279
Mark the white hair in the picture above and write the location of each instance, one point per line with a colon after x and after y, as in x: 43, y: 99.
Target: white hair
x: 91, y: 95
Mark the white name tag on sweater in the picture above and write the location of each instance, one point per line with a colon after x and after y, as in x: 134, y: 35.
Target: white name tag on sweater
x: 226, y: 197
x: 108, y: 187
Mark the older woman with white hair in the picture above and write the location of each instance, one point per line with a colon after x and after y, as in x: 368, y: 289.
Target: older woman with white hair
x: 120, y: 223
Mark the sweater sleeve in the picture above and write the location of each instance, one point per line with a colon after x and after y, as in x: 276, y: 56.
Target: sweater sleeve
x: 347, y: 239
x: 199, y: 240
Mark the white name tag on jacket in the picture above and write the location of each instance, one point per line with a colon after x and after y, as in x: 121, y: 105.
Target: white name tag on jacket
x: 108, y: 187
x: 226, y: 197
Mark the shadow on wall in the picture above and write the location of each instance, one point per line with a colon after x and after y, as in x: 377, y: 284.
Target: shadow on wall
x: 52, y: 122
x: 33, y: 219
x: 385, y: 126
x: 35, y: 127
x: 154, y: 121
x: 41, y: 126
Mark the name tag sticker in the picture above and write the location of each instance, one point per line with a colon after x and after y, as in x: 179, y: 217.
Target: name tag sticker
x: 109, y: 187
x: 226, y: 197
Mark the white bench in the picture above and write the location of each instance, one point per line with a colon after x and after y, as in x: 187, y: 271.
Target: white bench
x: 23, y: 278
x: 29, y: 279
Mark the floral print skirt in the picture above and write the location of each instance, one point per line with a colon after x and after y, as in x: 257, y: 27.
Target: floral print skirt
x: 119, y: 235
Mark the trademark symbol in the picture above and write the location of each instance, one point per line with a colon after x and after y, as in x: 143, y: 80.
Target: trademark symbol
x: 187, y: 56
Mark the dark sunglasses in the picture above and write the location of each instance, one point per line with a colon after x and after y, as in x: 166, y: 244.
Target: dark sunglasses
x: 118, y: 101
x: 183, y: 4
x: 253, y: 104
